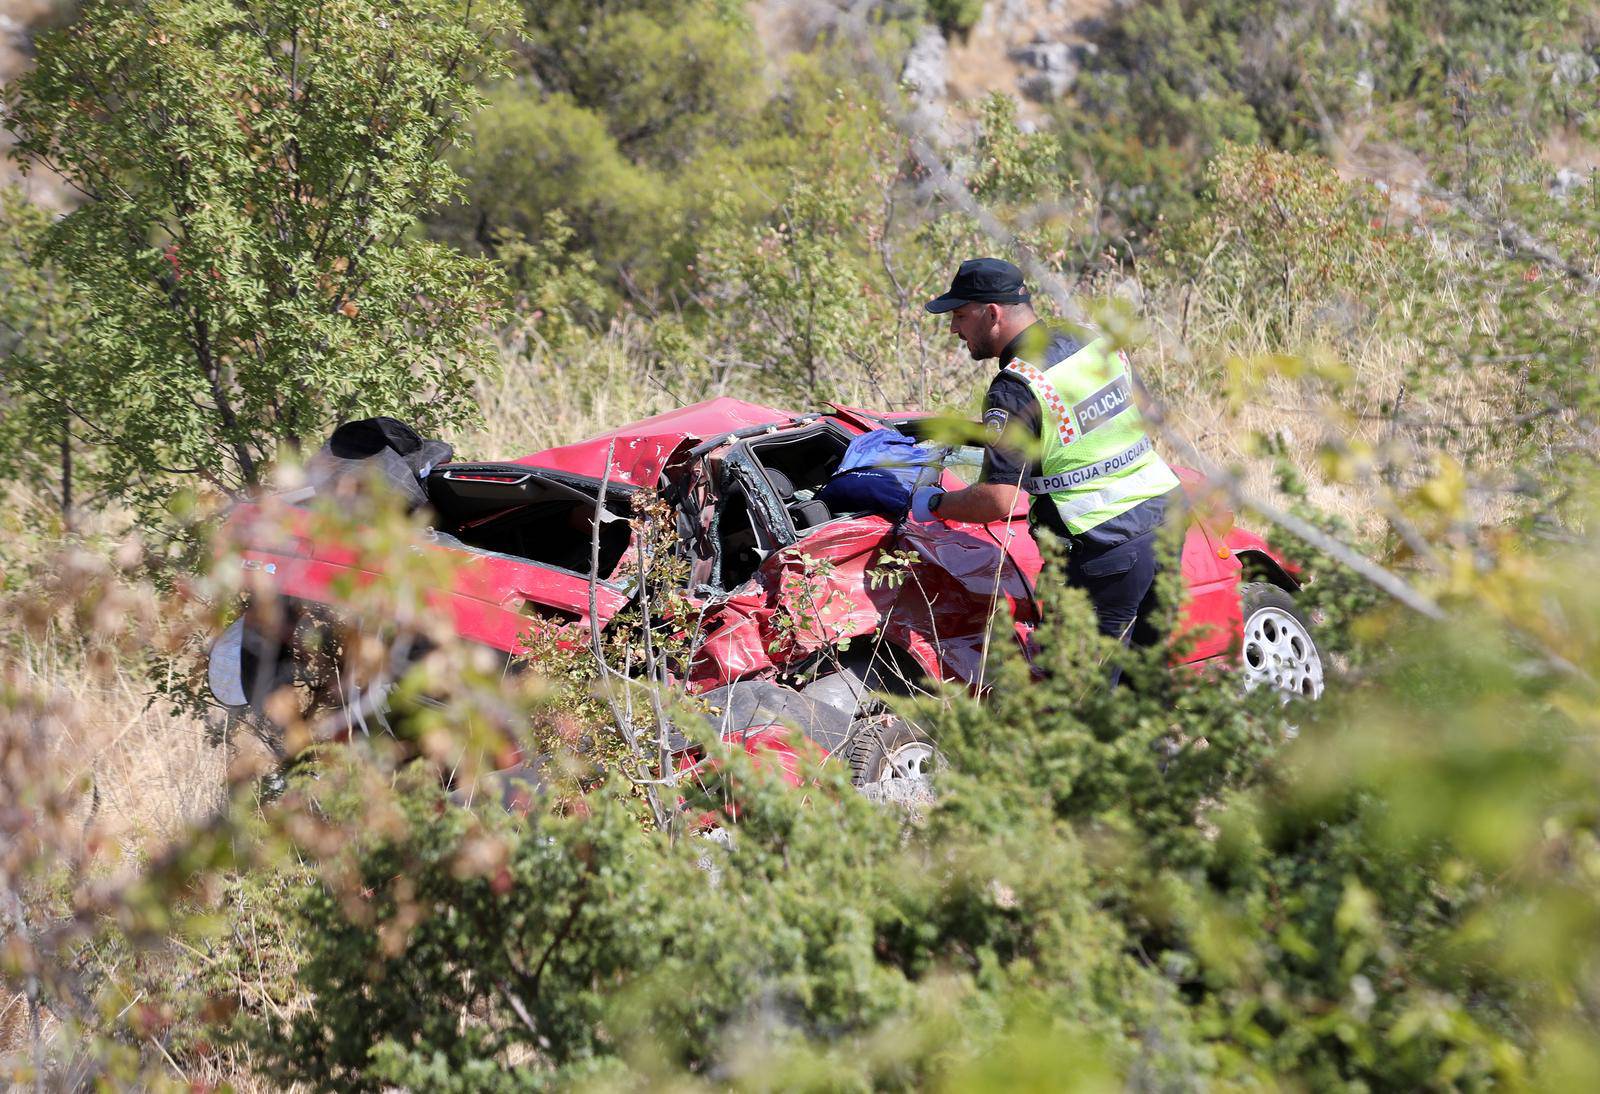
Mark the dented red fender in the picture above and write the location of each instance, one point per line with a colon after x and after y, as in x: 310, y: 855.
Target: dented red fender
x: 804, y: 598
x: 823, y: 590
x: 966, y: 573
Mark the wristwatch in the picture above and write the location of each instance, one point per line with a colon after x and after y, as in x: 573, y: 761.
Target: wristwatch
x: 936, y: 501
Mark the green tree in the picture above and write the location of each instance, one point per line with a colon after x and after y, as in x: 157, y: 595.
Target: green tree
x: 666, y: 77
x: 533, y: 159
x: 252, y: 172
x: 41, y: 442
x: 818, y: 276
x: 619, y: 113
x: 954, y: 16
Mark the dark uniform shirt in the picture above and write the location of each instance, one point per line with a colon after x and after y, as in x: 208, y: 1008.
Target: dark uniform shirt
x: 1011, y: 412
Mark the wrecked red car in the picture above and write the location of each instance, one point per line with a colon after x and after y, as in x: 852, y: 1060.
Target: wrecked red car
x: 791, y: 593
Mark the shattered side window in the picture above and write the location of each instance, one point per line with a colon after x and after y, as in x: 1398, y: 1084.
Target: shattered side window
x: 965, y: 461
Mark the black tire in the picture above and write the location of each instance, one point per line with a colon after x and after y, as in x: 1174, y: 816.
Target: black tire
x: 878, y: 737
x: 265, y: 668
x: 890, y: 748
x: 301, y: 655
x: 1279, y: 646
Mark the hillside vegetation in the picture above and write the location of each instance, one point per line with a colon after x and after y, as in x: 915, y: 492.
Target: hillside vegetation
x: 1351, y: 248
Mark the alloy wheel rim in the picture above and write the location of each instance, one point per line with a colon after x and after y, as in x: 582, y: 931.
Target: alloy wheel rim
x: 909, y: 761
x: 1278, y: 651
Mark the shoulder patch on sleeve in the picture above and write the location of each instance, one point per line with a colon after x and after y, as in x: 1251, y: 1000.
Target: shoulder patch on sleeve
x: 994, y: 422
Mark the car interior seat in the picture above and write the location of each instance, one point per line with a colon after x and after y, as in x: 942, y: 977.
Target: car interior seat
x: 805, y: 512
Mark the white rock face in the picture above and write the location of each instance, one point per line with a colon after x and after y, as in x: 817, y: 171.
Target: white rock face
x: 1567, y: 182
x: 1366, y: 84
x: 1572, y: 69
x: 1014, y: 11
x: 927, y: 71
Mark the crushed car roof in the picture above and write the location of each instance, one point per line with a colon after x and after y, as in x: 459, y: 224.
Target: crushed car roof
x: 644, y: 449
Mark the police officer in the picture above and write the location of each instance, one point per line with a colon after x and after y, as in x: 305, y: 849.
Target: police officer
x: 1062, y: 424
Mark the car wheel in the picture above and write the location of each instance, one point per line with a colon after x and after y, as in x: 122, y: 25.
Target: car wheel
x: 888, y: 749
x: 1278, y: 649
x: 267, y: 668
x: 302, y: 675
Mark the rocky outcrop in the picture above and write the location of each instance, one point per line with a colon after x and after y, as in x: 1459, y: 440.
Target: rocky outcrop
x: 1033, y: 50
x: 1571, y: 69
x: 1049, y: 68
x: 927, y: 72
x: 1568, y: 182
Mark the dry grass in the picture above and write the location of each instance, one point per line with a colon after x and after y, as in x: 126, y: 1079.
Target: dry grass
x: 545, y: 395
x: 132, y: 773
x: 145, y: 774
x: 1385, y: 404
x: 150, y: 771
x: 548, y: 395
x: 1192, y: 385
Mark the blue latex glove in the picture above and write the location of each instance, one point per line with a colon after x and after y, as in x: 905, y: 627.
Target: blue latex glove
x: 920, y: 500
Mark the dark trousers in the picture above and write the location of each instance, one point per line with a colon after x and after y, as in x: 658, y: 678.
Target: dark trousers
x: 1121, y: 583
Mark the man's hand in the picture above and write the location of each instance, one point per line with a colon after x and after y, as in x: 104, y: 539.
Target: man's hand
x: 981, y: 504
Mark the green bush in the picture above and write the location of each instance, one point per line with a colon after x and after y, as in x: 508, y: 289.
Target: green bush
x: 668, y: 78
x: 619, y: 115
x: 1281, y: 237
x: 955, y: 16
x: 535, y: 159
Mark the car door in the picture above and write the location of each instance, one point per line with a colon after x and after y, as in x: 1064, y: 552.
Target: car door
x: 523, y: 551
x: 776, y: 595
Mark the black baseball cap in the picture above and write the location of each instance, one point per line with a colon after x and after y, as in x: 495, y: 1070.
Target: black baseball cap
x: 982, y: 281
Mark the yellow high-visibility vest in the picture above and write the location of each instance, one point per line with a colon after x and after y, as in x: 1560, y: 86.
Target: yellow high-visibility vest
x: 1097, y: 460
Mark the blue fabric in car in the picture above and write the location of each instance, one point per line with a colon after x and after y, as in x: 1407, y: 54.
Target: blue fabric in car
x: 878, y: 474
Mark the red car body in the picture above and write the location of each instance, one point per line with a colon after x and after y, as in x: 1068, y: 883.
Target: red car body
x: 934, y: 622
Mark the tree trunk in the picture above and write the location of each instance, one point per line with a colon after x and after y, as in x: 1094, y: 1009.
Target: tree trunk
x: 66, y: 470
